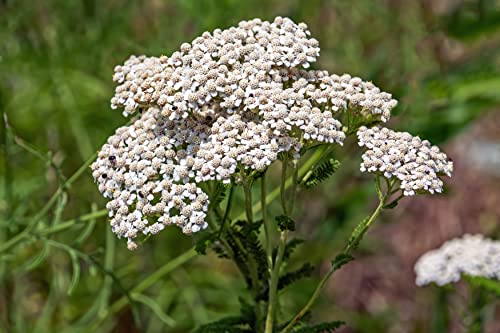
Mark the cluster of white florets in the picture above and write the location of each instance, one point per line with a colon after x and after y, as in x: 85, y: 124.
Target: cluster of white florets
x: 252, y: 67
x: 147, y: 170
x: 230, y: 100
x: 471, y: 255
x: 413, y: 161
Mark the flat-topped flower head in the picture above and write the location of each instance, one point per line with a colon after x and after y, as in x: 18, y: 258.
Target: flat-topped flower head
x: 229, y: 102
x: 413, y: 161
x: 242, y: 68
x: 214, y: 58
x: 471, y: 255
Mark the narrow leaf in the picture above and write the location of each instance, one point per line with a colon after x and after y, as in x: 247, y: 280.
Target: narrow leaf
x: 75, y: 277
x: 156, y: 308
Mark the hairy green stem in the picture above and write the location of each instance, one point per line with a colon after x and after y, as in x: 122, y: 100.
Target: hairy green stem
x: 349, y: 248
x: 252, y: 265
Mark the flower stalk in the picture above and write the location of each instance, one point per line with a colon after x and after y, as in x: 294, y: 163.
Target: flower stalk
x: 335, y: 266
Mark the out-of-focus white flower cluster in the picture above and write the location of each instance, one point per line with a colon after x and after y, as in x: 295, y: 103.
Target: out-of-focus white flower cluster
x: 230, y: 100
x: 471, y: 255
x: 413, y: 161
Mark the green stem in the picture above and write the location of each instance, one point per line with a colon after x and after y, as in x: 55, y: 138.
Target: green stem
x: 252, y: 265
x: 275, y: 274
x: 228, y: 209
x: 295, y: 179
x: 349, y: 248
x: 273, y: 288
x: 267, y: 227
x: 109, y: 258
x: 271, y: 196
x: 284, y: 165
x: 247, y: 188
x: 477, y: 309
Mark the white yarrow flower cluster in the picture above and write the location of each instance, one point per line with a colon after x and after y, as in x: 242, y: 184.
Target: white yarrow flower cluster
x: 471, y: 255
x: 229, y: 100
x: 413, y: 161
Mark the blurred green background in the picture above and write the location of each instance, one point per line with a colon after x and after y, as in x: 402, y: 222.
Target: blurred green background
x: 440, y: 59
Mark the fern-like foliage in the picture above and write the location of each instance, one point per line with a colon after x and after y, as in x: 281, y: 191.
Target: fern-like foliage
x: 341, y: 259
x: 204, y: 241
x: 218, y: 194
x: 357, y: 234
x: 302, y: 322
x: 285, y: 223
x: 291, y: 277
x: 290, y: 247
x: 321, y: 173
x: 249, y: 236
x: 320, y: 328
x: 239, y: 255
x: 225, y: 325
x: 244, y: 323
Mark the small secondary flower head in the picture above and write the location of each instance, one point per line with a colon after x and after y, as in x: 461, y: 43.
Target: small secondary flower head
x: 471, y: 255
x: 413, y: 161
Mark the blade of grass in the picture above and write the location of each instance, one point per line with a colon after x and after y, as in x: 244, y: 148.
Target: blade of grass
x: 31, y: 225
x: 70, y: 223
x: 101, y: 303
x: 90, y: 226
x: 69, y: 104
x: 109, y: 258
x: 156, y: 308
x: 145, y: 284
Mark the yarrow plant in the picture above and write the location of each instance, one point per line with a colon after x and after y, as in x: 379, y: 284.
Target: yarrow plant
x: 475, y: 259
x: 214, y: 116
x: 471, y: 255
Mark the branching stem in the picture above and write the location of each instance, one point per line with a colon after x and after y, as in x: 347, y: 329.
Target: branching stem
x: 273, y: 288
x: 348, y: 249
